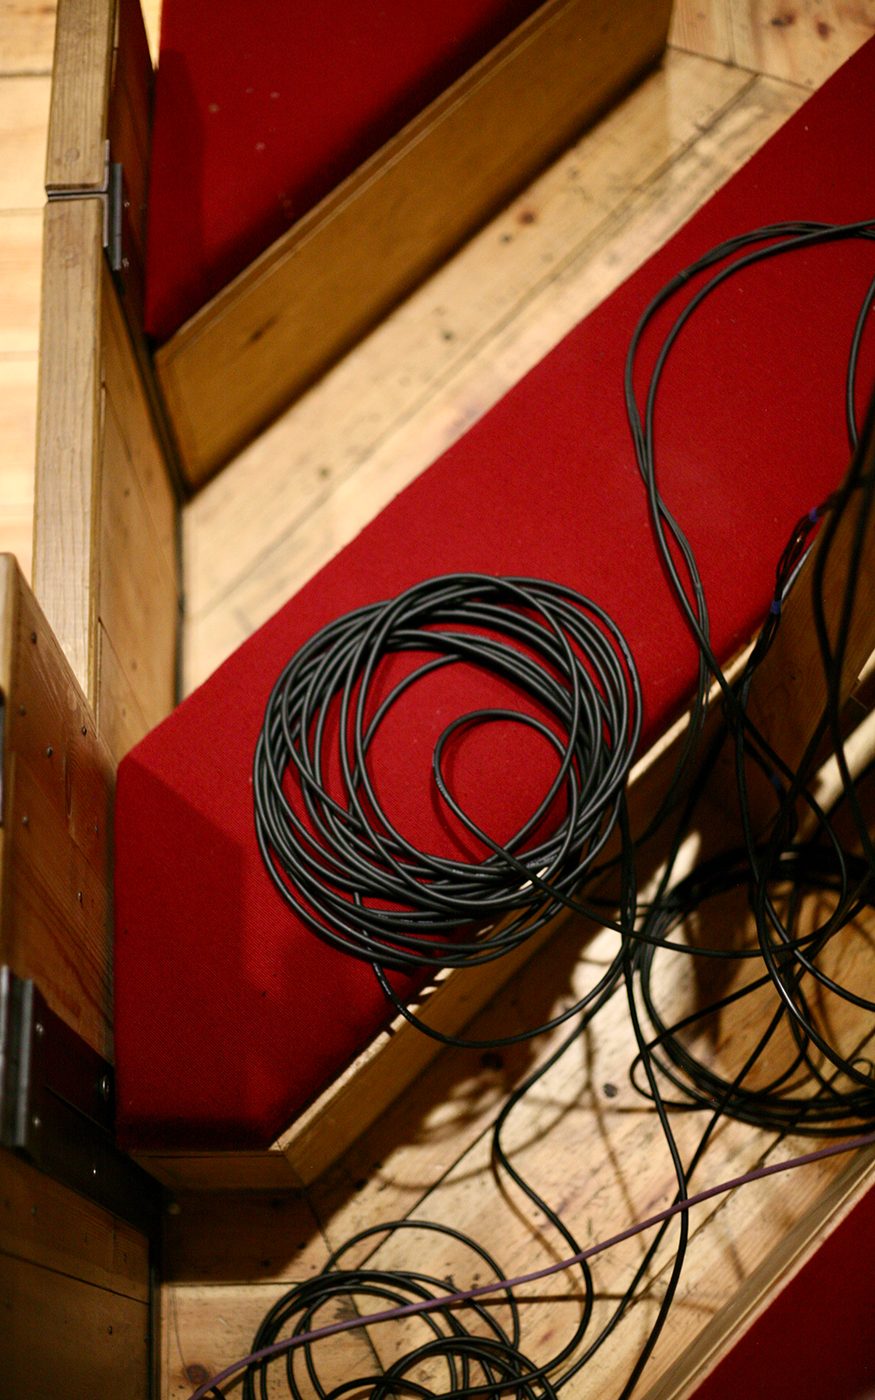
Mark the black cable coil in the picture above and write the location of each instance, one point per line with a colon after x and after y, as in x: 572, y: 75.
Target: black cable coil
x: 339, y: 862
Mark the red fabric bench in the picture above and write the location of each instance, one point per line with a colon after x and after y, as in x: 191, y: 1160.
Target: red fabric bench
x: 231, y: 1015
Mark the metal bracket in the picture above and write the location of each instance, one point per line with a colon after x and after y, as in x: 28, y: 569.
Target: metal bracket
x: 110, y: 192
x: 57, y: 1106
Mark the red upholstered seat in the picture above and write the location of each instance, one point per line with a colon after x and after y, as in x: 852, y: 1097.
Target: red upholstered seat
x: 230, y: 1014
x: 258, y: 115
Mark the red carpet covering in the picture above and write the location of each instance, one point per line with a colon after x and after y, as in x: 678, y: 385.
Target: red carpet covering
x: 230, y: 1014
x: 256, y: 119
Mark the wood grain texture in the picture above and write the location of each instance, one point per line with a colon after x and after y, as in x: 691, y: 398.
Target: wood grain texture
x: 801, y: 41
x: 232, y: 368
x: 44, y: 1223
x: 105, y: 561
x: 55, y: 918
x: 67, y: 491
x: 28, y: 30
x: 221, y: 1171
x: 774, y: 1273
x: 64, y: 1337
x: 24, y: 107
x: 75, y: 155
x: 703, y: 27
x: 137, y: 603
x: 263, y: 528
x: 194, y: 1346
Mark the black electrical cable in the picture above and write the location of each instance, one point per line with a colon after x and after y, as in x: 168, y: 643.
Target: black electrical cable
x: 346, y: 869
x: 336, y: 857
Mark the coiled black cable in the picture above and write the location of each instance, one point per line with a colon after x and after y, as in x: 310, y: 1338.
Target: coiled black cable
x: 338, y: 860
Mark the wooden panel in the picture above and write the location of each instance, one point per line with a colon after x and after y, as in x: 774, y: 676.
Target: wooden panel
x: 773, y: 1274
x: 44, y: 1223
x: 55, y: 920
x: 138, y: 602
x: 24, y: 106
x: 704, y: 27
x: 84, y: 33
x: 105, y: 513
x: 207, y: 1327
x: 803, y: 41
x: 67, y: 501
x: 221, y: 1171
x: 28, y: 29
x: 61, y: 1337
x: 239, y: 361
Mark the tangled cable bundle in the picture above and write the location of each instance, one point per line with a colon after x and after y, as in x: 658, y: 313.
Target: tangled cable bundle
x: 817, y: 1087
x: 474, y: 1348
x: 338, y: 859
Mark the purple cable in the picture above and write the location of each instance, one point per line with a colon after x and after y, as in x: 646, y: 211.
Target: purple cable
x: 500, y: 1285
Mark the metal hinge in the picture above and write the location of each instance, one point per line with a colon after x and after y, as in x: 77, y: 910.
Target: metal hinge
x: 110, y: 192
x: 57, y: 1106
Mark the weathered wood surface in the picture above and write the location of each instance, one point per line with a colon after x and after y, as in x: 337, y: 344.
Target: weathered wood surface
x: 105, y: 561
x: 57, y: 791
x: 69, y: 438
x: 802, y: 41
x: 243, y: 357
x: 81, y: 72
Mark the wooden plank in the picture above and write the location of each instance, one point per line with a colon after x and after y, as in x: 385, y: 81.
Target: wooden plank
x: 206, y: 1328
x: 69, y: 432
x: 703, y: 27
x: 64, y: 1337
x: 240, y: 360
x: 105, y: 513
x: 55, y: 917
x: 138, y: 604
x: 775, y: 1272
x: 76, y: 155
x: 20, y: 246
x: 43, y: 1222
x: 344, y: 455
x: 221, y: 1171
x: 803, y: 41
x: 28, y: 29
x: 24, y: 108
x: 276, y: 1238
